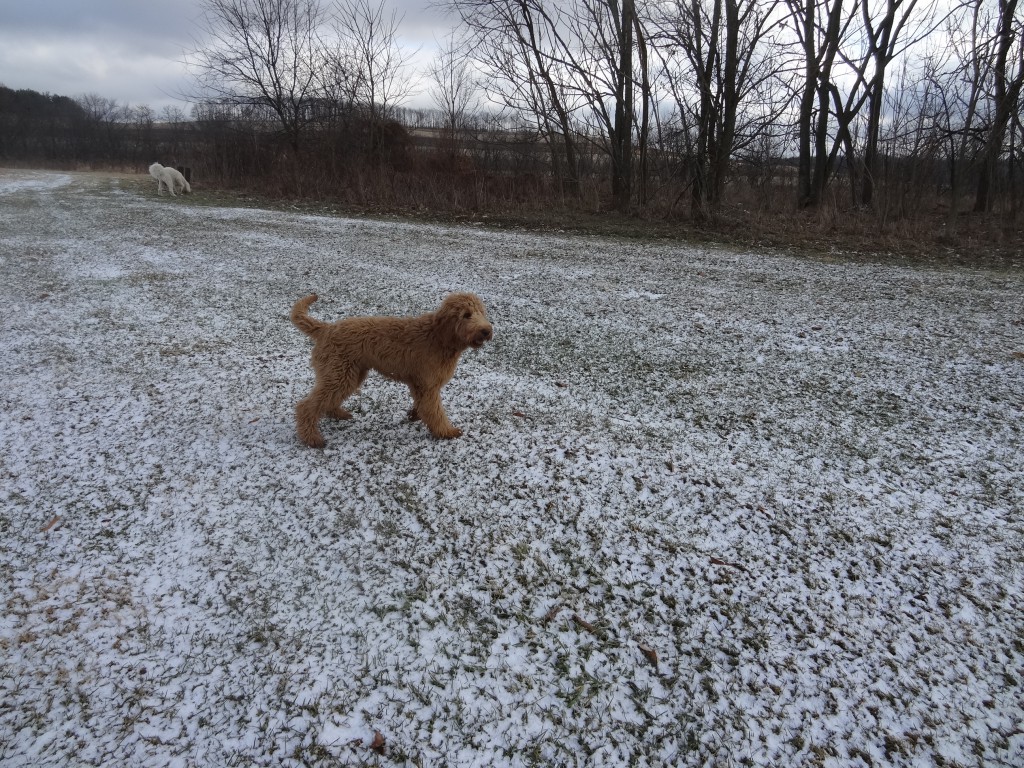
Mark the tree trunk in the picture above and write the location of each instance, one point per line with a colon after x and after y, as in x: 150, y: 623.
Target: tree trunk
x: 622, y: 139
x: 805, y: 188
x: 1005, y: 98
x: 870, y: 169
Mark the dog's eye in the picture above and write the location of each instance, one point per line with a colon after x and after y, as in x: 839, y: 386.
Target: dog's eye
x: 466, y: 315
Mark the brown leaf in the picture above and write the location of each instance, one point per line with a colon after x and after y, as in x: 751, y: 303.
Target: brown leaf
x: 649, y: 653
x: 552, y: 612
x: 51, y: 524
x: 581, y: 622
x: 378, y: 745
x: 737, y: 566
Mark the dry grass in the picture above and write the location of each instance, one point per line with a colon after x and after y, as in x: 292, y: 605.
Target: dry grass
x: 911, y: 229
x: 752, y: 220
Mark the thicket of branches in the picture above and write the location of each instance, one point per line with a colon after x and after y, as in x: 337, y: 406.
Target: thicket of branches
x: 897, y: 109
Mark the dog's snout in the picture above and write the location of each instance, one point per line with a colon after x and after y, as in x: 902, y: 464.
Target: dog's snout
x: 486, y: 334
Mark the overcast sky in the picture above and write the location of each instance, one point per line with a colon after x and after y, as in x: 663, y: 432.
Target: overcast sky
x: 132, y: 50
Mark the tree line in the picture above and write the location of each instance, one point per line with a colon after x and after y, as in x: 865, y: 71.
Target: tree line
x: 678, y: 107
x: 872, y: 94
x: 87, y: 130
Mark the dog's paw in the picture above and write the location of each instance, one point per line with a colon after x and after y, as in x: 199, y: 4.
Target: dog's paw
x: 313, y: 441
x: 448, y: 434
x: 413, y: 415
x: 339, y: 413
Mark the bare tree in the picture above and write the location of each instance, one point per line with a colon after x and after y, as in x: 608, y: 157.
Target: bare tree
x: 885, y: 23
x: 172, y: 115
x: 728, y: 86
x: 262, y: 53
x: 1006, y: 82
x: 964, y: 81
x: 99, y: 109
x: 455, y: 91
x: 600, y: 59
x: 366, y: 52
x: 368, y: 37
x: 624, y: 19
x: 521, y: 49
x: 821, y: 27
x: 573, y: 66
x: 959, y: 91
x: 341, y: 80
x: 99, y: 137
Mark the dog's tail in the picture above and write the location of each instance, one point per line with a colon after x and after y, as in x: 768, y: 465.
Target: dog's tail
x: 301, y: 319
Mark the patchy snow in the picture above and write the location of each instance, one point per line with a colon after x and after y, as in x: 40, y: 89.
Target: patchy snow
x: 711, y: 508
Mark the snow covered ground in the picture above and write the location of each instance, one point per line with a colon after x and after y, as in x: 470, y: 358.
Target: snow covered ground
x: 712, y: 508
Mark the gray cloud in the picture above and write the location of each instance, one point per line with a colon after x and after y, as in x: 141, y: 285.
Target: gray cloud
x: 133, y: 50
x: 126, y: 50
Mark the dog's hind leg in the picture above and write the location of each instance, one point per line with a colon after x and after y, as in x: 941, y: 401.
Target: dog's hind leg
x: 336, y: 411
x: 310, y: 410
x: 307, y: 419
x: 328, y: 394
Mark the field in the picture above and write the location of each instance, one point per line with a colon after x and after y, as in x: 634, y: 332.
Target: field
x: 712, y: 507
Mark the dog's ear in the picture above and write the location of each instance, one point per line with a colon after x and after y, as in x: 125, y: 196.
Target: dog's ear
x: 445, y: 317
x: 448, y: 320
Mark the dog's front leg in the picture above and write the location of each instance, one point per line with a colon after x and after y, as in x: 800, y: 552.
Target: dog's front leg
x: 430, y: 410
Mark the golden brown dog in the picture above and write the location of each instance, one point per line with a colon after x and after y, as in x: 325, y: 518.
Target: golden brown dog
x: 422, y: 352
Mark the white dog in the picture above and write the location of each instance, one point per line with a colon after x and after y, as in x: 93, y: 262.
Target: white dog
x: 168, y: 177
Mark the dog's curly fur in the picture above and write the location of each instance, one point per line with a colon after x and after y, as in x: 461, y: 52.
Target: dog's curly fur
x: 422, y: 352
